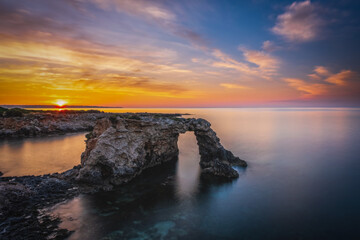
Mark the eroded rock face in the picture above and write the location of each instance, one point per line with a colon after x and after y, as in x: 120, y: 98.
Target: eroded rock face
x: 118, y: 149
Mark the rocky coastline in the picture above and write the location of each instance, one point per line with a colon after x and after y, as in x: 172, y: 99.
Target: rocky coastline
x: 22, y: 200
x: 42, y: 123
x: 118, y: 148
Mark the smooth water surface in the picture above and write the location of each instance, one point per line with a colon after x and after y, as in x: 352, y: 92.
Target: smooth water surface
x: 40, y: 155
x: 302, y: 182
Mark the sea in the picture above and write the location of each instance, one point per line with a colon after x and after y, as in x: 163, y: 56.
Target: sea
x: 302, y: 180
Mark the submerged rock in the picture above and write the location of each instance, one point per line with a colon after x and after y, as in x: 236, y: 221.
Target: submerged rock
x: 119, y: 149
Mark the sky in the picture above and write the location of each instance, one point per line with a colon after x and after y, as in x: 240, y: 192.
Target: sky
x: 157, y: 53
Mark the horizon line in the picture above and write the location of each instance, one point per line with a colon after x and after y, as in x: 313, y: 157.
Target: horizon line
x: 94, y: 106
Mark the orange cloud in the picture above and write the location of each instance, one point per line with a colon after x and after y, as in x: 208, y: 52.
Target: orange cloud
x: 340, y: 78
x: 325, y: 83
x: 78, y: 67
x: 233, y: 86
x: 308, y: 89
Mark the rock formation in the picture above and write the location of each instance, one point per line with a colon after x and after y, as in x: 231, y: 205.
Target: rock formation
x: 48, y: 123
x: 120, y: 148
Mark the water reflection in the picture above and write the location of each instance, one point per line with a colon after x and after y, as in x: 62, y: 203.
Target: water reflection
x: 41, y: 155
x: 147, y: 208
x: 132, y: 207
x: 188, y: 168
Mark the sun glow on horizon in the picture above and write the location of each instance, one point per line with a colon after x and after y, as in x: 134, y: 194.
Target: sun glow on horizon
x: 60, y: 103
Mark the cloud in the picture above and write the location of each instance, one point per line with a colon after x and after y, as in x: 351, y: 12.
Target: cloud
x: 159, y: 13
x: 301, y: 22
x: 269, y: 46
x: 20, y: 22
x: 155, y: 12
x: 307, y: 89
x: 233, y: 86
x: 319, y: 73
x: 228, y: 62
x: 340, y: 78
x: 324, y: 83
x: 144, y: 8
x: 322, y: 71
x: 122, y: 81
x: 104, y: 68
x: 266, y: 63
x: 257, y: 64
x: 59, y: 78
x: 46, y: 53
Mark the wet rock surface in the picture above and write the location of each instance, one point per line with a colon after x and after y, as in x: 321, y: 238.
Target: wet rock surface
x: 21, y: 202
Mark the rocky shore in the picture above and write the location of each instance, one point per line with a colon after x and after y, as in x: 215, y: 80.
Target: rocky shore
x: 42, y: 123
x: 118, y: 148
x: 22, y: 200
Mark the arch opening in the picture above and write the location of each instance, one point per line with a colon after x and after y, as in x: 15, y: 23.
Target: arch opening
x: 188, y: 168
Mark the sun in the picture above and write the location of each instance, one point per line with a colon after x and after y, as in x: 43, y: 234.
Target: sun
x: 60, y: 103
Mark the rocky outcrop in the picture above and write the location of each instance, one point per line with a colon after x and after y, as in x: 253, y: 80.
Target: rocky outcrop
x: 22, y: 200
x: 119, y: 148
x: 48, y: 123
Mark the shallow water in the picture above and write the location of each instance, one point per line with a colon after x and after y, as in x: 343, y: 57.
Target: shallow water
x: 302, y: 182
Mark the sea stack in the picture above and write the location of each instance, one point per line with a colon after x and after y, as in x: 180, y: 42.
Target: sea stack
x: 120, y: 147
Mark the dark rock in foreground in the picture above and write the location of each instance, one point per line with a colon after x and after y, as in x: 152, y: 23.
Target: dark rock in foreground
x: 22, y: 200
x: 119, y: 149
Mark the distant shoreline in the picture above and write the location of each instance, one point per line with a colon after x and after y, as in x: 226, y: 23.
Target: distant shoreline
x: 256, y: 107
x: 53, y: 106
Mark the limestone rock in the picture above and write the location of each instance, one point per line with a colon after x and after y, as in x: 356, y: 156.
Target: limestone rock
x: 119, y: 149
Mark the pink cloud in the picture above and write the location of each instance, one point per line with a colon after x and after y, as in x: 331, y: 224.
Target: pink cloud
x: 300, y: 22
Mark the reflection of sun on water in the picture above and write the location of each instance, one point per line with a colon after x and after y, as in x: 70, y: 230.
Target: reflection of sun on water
x: 60, y: 103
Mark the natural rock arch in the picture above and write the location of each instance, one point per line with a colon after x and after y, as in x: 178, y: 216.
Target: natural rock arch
x: 118, y: 149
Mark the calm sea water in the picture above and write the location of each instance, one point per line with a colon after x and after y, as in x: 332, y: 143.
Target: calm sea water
x: 302, y: 182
